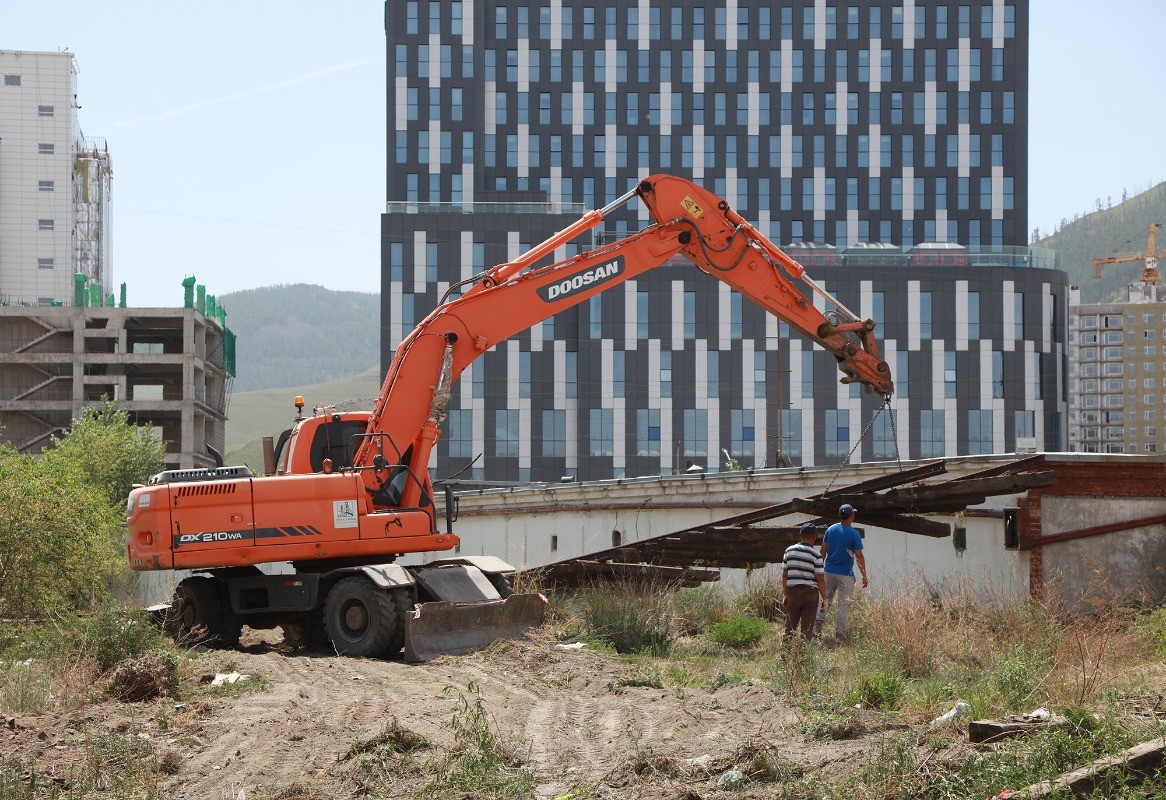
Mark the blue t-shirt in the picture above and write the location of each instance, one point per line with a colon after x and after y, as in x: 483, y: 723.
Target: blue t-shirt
x: 841, y: 542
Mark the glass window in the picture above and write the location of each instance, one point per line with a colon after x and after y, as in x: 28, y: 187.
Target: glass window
x: 837, y: 433
x: 460, y: 436
x: 979, y: 432
x: 506, y: 433
x: 601, y: 438
x: 696, y: 432
x: 648, y: 432
x: 932, y: 435
x: 807, y: 373
x: 741, y: 433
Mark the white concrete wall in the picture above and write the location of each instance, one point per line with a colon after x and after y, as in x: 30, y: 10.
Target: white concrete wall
x: 517, y: 525
x: 1126, y: 566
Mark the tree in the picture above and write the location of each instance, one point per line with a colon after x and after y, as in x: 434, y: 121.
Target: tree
x: 62, y: 513
x: 61, y: 539
x: 109, y: 451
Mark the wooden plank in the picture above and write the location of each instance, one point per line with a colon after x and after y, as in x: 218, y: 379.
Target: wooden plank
x: 1143, y: 761
x: 908, y: 524
x: 989, y: 730
x: 919, y: 498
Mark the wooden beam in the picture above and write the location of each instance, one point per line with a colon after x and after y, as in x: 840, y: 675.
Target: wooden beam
x: 920, y: 498
x: 1142, y: 761
x: 908, y: 524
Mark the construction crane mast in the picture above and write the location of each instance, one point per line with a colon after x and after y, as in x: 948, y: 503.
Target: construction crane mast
x: 1150, y: 257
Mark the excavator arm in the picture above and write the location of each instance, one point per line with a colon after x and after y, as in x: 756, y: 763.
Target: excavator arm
x: 509, y: 298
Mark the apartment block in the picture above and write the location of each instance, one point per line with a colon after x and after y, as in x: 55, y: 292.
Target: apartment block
x: 1117, y: 374
x: 54, y: 184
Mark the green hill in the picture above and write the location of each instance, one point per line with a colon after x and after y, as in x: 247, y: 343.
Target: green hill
x: 1119, y: 230
x: 296, y: 335
x: 266, y: 412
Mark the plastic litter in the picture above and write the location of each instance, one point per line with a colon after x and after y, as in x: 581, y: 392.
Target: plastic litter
x: 732, y: 780
x: 958, y: 710
x: 1039, y: 715
x: 224, y: 678
x: 571, y: 646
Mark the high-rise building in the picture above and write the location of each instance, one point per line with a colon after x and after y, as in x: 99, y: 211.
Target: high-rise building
x: 1117, y: 373
x: 892, y: 129
x: 54, y: 184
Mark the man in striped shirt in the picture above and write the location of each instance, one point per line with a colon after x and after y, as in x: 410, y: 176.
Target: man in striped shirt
x: 802, y: 583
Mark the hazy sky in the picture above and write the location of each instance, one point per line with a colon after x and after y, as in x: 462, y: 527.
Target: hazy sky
x: 248, y: 138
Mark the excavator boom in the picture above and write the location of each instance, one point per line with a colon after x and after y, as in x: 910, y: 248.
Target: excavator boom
x: 514, y: 296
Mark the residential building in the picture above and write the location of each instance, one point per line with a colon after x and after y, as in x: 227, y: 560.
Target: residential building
x: 844, y: 125
x: 1117, y: 373
x: 54, y: 184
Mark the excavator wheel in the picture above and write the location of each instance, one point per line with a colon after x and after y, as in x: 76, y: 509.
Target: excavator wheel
x: 363, y: 620
x: 196, y: 615
x: 308, y: 633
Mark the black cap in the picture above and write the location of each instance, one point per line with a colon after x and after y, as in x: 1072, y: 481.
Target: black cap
x: 847, y: 510
x: 809, y: 529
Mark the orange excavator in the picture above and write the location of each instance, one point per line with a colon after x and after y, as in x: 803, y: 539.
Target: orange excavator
x: 342, y: 523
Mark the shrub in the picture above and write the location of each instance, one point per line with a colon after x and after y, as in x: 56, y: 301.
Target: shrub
x: 881, y: 690
x: 62, y: 538
x: 631, y: 618
x: 116, y: 634
x: 60, y: 544
x: 740, y: 630
x: 696, y: 609
x: 762, y: 598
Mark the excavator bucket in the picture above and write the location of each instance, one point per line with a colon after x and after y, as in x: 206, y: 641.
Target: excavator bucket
x: 444, y: 627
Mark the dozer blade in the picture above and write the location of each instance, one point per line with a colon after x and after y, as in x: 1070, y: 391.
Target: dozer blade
x: 447, y: 628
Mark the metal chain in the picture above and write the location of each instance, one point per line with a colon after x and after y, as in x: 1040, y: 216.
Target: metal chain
x: 845, y: 461
x: 894, y: 433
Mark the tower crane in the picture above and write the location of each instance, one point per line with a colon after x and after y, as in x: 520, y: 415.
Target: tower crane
x: 1150, y: 257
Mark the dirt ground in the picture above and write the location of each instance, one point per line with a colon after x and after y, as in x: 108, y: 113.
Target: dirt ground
x: 292, y: 734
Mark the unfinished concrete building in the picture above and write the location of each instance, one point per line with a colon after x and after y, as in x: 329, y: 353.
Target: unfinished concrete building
x: 170, y: 368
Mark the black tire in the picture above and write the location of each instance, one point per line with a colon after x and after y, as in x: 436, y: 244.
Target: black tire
x: 196, y: 613
x: 403, y: 602
x: 362, y: 620
x: 307, y: 633
x: 502, y: 584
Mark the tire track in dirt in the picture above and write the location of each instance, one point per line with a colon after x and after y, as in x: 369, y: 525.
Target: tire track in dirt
x: 566, y: 710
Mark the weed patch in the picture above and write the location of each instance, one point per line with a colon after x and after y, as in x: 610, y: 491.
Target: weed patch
x: 632, y: 619
x: 482, y: 762
x: 739, y: 631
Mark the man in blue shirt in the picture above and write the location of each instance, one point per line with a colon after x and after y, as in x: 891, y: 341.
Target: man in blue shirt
x: 841, y: 548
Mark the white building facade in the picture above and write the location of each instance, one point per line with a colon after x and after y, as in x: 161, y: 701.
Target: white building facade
x: 54, y: 185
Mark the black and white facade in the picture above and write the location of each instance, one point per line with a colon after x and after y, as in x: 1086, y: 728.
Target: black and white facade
x: 842, y: 124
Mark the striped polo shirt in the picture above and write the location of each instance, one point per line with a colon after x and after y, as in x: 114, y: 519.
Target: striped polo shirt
x: 801, y: 563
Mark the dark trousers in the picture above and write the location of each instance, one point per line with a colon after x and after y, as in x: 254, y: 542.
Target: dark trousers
x: 802, y: 609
